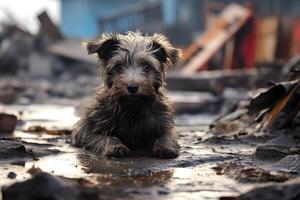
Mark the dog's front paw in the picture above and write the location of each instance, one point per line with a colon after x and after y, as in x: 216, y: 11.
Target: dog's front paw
x: 164, y: 152
x: 118, y: 151
x: 166, y: 147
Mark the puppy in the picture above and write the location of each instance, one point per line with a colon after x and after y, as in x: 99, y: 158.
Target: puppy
x: 130, y: 110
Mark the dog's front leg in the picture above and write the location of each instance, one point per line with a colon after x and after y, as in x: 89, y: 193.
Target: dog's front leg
x: 166, y: 146
x: 108, y: 146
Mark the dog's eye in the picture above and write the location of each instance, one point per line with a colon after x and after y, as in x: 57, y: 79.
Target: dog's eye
x: 147, y: 67
x: 118, y: 66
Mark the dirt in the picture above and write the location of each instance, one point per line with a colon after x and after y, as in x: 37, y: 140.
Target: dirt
x: 210, y: 166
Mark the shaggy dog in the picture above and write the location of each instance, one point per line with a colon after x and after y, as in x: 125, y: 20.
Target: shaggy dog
x: 130, y: 110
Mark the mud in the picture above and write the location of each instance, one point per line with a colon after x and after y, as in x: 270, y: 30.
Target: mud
x: 210, y: 166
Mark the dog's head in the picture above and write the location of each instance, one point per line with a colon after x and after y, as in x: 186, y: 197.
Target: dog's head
x: 133, y: 65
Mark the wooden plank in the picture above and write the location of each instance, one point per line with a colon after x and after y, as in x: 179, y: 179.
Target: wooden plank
x: 231, y: 19
x: 296, y: 38
x: 267, y: 31
x: 193, y: 102
x: 48, y: 27
x: 284, y: 42
x: 215, y: 81
x: 72, y: 49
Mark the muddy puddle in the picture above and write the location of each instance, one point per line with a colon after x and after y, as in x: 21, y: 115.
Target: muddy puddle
x: 202, y: 171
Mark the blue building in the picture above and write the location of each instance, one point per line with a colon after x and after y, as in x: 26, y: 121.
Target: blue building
x: 87, y: 18
x: 180, y: 20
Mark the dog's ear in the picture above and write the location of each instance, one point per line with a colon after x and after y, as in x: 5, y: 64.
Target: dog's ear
x: 105, y: 47
x: 164, y: 51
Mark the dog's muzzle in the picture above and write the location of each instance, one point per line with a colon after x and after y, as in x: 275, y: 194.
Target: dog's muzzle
x: 133, y: 88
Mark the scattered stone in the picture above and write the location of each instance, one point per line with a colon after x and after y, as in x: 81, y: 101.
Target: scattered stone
x: 45, y: 186
x: 289, y: 163
x: 284, y: 191
x: 12, y: 149
x: 8, y: 122
x: 270, y: 152
x: 11, y: 175
x: 34, y: 170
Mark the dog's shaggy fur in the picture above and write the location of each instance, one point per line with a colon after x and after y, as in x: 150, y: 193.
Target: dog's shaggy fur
x: 130, y: 111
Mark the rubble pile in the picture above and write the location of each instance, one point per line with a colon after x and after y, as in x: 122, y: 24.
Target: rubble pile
x: 25, y: 54
x: 270, y: 121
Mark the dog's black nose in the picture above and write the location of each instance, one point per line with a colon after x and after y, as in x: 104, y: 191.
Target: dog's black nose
x: 132, y: 88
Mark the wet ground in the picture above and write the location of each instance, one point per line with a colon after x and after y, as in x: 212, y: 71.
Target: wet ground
x: 209, y: 167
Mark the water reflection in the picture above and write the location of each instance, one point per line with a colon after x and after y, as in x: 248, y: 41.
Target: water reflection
x: 132, y: 171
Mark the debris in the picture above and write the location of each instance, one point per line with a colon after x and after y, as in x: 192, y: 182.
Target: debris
x: 34, y: 170
x: 284, y: 41
x: 48, y: 28
x: 217, y: 80
x: 35, y: 129
x: 282, y: 102
x: 45, y: 54
x: 289, y: 163
x: 268, y: 98
x: 194, y: 102
x: 40, y: 64
x: 249, y: 174
x: 283, y: 191
x: 45, y: 186
x: 296, y: 38
x: 11, y: 175
x: 15, y: 48
x: 8, y: 122
x: 41, y: 129
x: 268, y: 151
x: 12, y: 149
x: 71, y: 49
x: 232, y: 18
x: 292, y: 68
x: 266, y: 42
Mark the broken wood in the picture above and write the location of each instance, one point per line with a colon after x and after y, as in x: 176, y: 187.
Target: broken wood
x: 48, y: 28
x: 71, y: 49
x: 215, y: 81
x: 266, y: 40
x: 196, y: 56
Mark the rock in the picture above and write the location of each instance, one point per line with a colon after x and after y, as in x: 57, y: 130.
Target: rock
x: 285, y: 191
x: 8, y: 122
x: 11, y: 175
x: 269, y: 151
x: 34, y: 170
x: 12, y: 149
x: 289, y: 163
x: 46, y: 186
x: 40, y: 65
